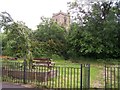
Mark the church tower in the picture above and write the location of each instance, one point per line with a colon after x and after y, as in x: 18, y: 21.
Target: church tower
x: 63, y: 19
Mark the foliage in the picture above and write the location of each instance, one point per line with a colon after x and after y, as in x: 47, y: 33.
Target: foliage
x: 50, y: 38
x: 98, y: 35
x: 17, y: 42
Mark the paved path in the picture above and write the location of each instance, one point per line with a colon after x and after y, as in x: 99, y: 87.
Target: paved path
x: 12, y: 85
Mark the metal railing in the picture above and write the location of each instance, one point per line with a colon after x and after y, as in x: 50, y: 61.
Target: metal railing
x: 112, y: 76
x: 53, y: 77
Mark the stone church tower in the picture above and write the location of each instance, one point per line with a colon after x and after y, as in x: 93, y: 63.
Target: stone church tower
x: 63, y: 19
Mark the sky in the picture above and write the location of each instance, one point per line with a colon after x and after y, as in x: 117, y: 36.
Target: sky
x: 30, y: 11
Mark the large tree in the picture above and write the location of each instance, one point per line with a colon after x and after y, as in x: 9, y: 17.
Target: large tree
x: 50, y: 38
x: 98, y: 35
x: 17, y: 42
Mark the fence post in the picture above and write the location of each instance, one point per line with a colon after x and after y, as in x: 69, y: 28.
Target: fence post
x: 118, y: 76
x: 24, y: 72
x: 86, y: 76
x: 105, y: 76
x: 81, y: 77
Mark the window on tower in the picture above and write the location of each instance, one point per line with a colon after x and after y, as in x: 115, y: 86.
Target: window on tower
x: 65, y: 20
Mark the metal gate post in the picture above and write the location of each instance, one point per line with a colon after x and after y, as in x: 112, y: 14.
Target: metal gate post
x: 118, y: 76
x: 86, y: 82
x: 105, y: 77
x: 24, y: 72
x: 81, y: 77
x: 88, y: 75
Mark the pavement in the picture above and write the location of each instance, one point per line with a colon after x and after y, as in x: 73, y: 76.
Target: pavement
x: 14, y: 85
x: 11, y: 85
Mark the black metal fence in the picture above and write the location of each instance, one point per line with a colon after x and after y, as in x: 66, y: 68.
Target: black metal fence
x: 112, y: 76
x: 52, y: 77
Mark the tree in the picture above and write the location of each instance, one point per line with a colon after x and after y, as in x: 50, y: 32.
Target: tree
x: 5, y: 19
x: 17, y: 42
x: 97, y: 36
x: 50, y: 38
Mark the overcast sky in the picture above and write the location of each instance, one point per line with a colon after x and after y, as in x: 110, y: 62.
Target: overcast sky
x: 30, y: 11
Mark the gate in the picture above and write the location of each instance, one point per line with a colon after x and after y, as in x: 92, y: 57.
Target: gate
x: 54, y: 77
x: 112, y: 76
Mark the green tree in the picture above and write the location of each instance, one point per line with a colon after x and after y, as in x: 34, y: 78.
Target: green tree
x: 17, y: 42
x: 97, y: 36
x: 50, y: 38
